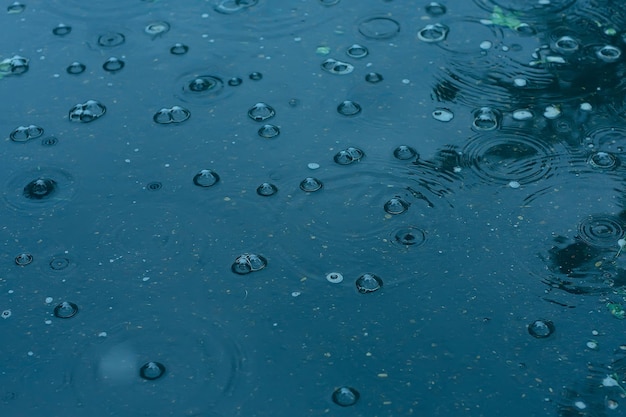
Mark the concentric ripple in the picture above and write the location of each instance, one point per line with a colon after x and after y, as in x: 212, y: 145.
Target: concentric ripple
x: 200, y: 87
x: 601, y: 231
x: 540, y: 8
x: 502, y: 157
x: 40, y: 189
x: 199, y: 367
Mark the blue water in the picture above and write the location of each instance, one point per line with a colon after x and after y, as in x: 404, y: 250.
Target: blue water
x: 481, y: 182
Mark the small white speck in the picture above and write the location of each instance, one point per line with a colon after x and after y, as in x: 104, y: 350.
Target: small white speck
x: 10, y: 291
x: 48, y: 322
x: 295, y: 293
x: 166, y: 165
x: 457, y: 169
x: 609, y: 381
x: 313, y: 165
x: 592, y: 344
x: 204, y: 15
x: 514, y: 184
x: 297, y: 39
x: 127, y: 161
x: 30, y: 353
x: 144, y: 279
x: 520, y: 82
x: 585, y: 107
x: 406, y: 81
x: 580, y: 405
x: 484, y: 45
x: 102, y: 334
x: 49, y: 300
x: 595, y: 332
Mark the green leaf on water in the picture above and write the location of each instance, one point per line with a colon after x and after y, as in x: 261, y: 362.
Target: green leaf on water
x: 617, y: 310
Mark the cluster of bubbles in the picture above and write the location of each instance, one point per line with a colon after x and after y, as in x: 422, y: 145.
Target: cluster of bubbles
x: 348, y: 156
x: 247, y: 263
x: 26, y: 133
x: 87, y: 111
x: 16, y: 65
x: 175, y: 114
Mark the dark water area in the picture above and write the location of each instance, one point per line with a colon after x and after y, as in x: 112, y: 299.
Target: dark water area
x: 372, y: 208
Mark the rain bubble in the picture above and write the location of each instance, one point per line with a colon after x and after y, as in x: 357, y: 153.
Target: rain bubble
x: 152, y: 371
x: 268, y: 131
x: 65, y: 310
x: 603, y: 160
x: 206, y: 178
x: 111, y: 39
x: 337, y: 67
x: 345, y: 396
x: 266, y: 189
x: 25, y: 133
x: 433, y: 33
x: 373, y: 77
x: 261, y: 112
x: 443, y: 114
x: 486, y: 119
x: 435, y: 9
x: 334, y: 277
x: 357, y: 51
x: 23, y: 259
x: 609, y: 53
x: 179, y: 49
x: 16, y: 65
x: 349, y: 108
x: 247, y: 263
x: 410, y: 236
x: 367, y: 283
x: 566, y: 45
x: 5, y: 314
x: 310, y: 184
x: 348, y: 156
x: 379, y: 27
x: 396, y: 205
x: 255, y: 76
x: 62, y: 30
x: 113, y: 64
x: 329, y: 2
x: 76, y: 68
x: 16, y: 7
x: 87, y: 111
x: 175, y: 114
x: 541, y: 329
x: 405, y: 152
x: 522, y: 114
x: 40, y: 188
x: 157, y: 28
x: 233, y: 6
x: 235, y: 81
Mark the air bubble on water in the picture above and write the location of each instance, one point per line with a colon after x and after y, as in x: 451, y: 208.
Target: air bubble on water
x: 345, y: 396
x: 266, y: 189
x: 206, y: 178
x: 609, y: 53
x: 152, y: 371
x: 357, y: 51
x: 62, y: 30
x: 5, y: 314
x: 367, y: 283
x: 485, y: 45
x: 40, y: 188
x: 443, y: 114
x: 405, y: 152
x: 261, y: 112
x: 373, y: 77
x: 157, y: 28
x: 75, y: 68
x: 349, y: 108
x: 540, y: 329
x: 433, y: 33
x: 310, y: 184
x: 23, y: 259
x: 179, y: 49
x: 396, y: 205
x: 113, y: 64
x: 65, y: 310
x: 268, y: 131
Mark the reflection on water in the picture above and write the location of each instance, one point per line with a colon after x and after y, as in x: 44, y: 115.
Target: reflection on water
x: 423, y: 213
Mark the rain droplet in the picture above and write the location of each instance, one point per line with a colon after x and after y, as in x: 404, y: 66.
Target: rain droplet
x: 25, y: 133
x: 206, y: 178
x: 603, y: 160
x: 310, y: 184
x: 152, y: 371
x: 266, y: 189
x: 113, y: 64
x: 566, y: 45
x: 404, y: 152
x: 76, y: 68
x: 23, y: 259
x: 65, y: 310
x: 373, y: 77
x: 396, y: 205
x: 609, y: 53
x: 179, y: 49
x: 345, y: 396
x: 59, y: 263
x: 357, y: 51
x: 268, y: 131
x: 261, y: 112
x: 349, y: 108
x: 235, y: 81
x: 157, y: 28
x: 435, y: 9
x: 87, y: 111
x: 367, y: 283
x: 62, y: 30
x: 40, y: 188
x: 255, y: 76
x: 433, y: 33
x: 541, y: 329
